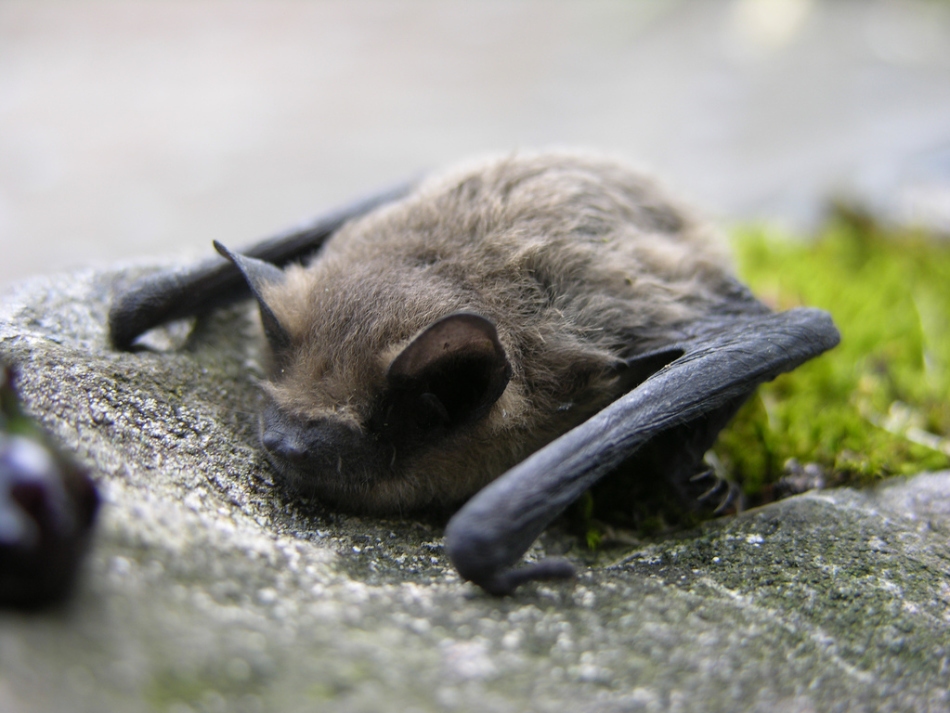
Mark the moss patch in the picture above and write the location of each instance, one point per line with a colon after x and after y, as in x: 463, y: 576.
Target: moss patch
x: 878, y: 404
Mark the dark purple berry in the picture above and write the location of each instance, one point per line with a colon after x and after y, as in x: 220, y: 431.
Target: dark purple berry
x: 47, y: 508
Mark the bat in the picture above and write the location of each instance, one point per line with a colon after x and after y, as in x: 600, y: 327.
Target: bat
x: 501, y: 337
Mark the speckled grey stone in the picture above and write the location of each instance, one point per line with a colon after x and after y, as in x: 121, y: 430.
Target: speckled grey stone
x: 207, y: 590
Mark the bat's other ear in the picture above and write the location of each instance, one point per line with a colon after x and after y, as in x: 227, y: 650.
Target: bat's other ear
x: 460, y: 361
x: 258, y: 274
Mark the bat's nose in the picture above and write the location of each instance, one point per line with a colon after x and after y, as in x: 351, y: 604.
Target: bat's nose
x: 284, y: 446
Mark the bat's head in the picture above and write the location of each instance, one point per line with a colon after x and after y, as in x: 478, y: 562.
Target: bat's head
x: 359, y: 421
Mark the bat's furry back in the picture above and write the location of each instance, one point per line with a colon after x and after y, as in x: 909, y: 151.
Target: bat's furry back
x: 439, y: 340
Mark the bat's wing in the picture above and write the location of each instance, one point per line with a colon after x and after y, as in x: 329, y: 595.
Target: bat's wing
x: 701, y: 384
x: 167, y: 296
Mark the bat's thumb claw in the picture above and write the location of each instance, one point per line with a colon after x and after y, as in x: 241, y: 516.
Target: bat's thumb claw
x: 504, y: 583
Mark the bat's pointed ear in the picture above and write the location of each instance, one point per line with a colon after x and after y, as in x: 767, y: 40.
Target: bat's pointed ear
x: 457, y: 359
x: 258, y: 274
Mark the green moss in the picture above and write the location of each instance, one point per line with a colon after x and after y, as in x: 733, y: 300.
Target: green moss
x: 877, y: 404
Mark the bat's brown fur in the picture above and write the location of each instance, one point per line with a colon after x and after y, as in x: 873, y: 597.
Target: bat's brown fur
x: 579, y: 262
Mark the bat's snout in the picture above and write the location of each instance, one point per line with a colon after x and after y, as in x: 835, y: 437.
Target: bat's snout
x: 286, y: 448
x: 316, y: 447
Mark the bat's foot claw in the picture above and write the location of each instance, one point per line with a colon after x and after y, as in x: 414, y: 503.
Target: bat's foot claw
x: 722, y: 491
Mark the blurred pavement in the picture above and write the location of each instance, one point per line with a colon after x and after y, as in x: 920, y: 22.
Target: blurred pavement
x: 143, y: 128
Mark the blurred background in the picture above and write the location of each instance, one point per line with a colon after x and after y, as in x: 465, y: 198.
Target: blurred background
x: 143, y: 128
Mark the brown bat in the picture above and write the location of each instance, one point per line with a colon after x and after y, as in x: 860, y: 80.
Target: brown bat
x: 552, y: 304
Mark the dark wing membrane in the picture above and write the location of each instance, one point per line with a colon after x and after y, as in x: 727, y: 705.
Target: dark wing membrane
x: 214, y: 282
x: 496, y: 527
